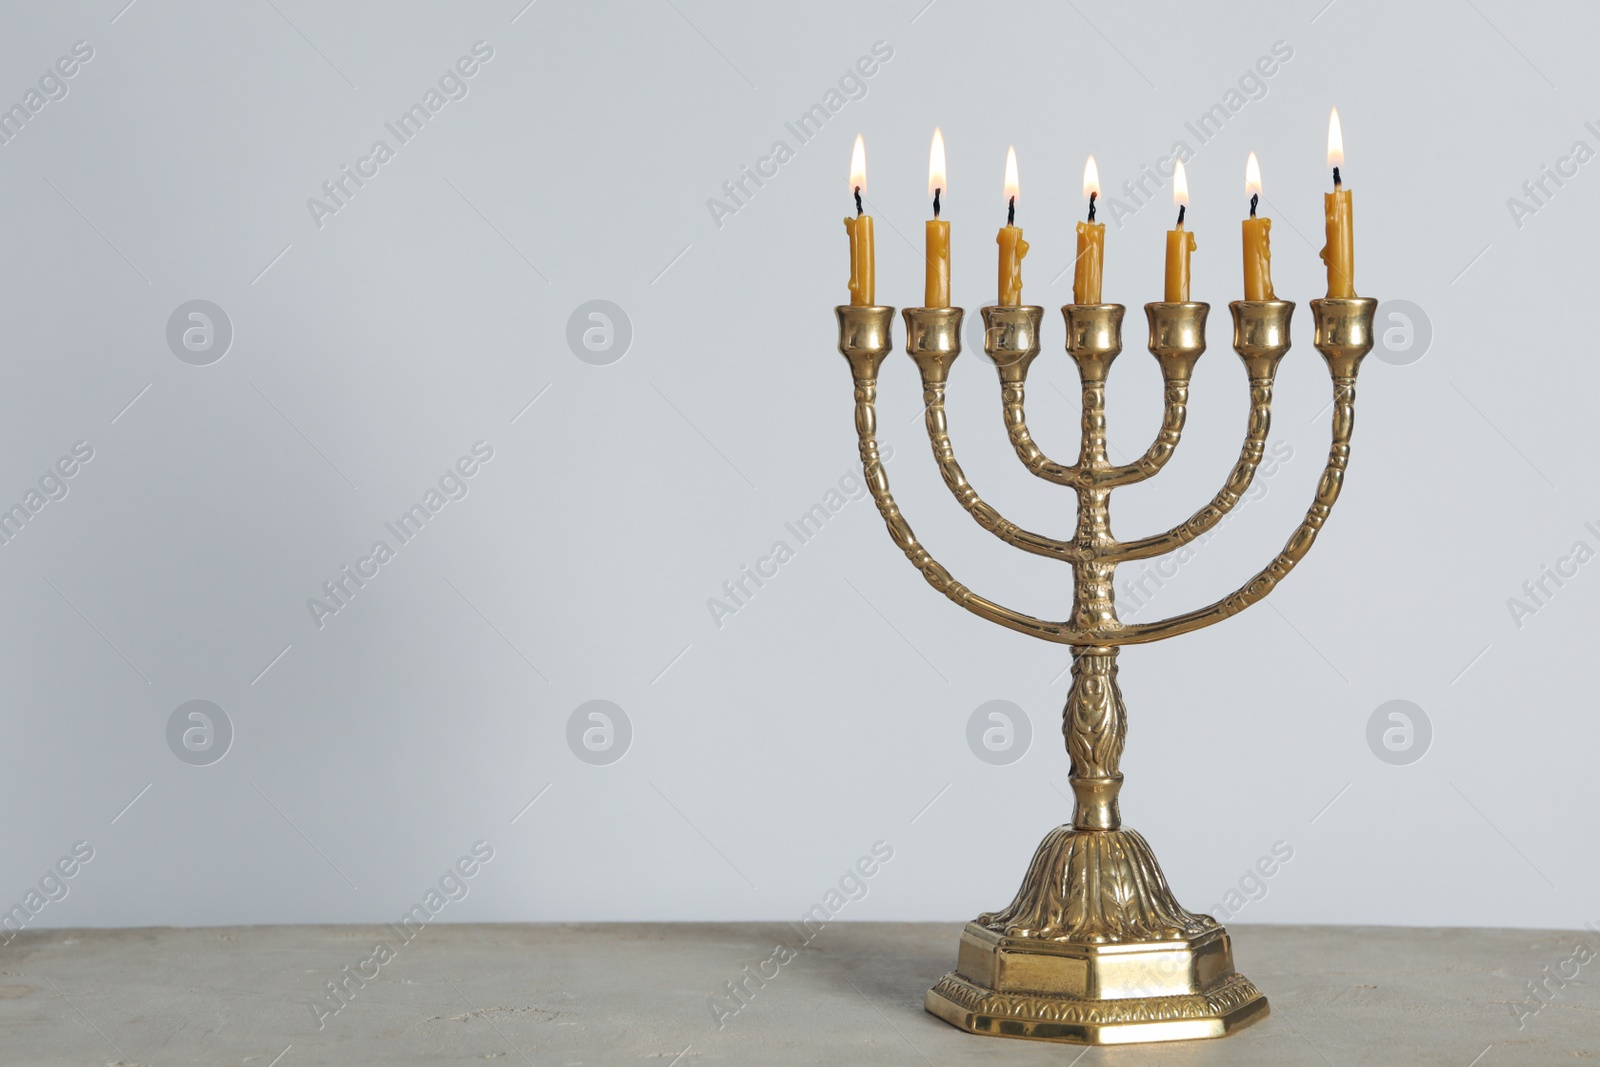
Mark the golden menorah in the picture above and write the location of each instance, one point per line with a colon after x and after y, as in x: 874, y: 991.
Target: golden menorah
x: 1095, y: 948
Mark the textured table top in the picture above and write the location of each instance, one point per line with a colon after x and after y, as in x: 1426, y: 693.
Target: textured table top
x: 643, y: 993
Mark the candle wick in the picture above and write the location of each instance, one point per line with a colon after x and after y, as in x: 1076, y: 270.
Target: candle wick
x: 936, y: 203
x: 1091, y: 205
x: 1336, y: 178
x: 1011, y: 211
x: 1181, y: 209
x: 1253, y: 198
x: 858, y: 201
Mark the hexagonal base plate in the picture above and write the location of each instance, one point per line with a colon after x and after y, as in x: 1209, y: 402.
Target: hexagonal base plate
x: 1096, y: 994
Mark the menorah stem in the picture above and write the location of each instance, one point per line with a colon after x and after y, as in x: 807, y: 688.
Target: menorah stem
x: 1094, y: 607
x: 1092, y: 452
x: 1095, y: 723
x: 1093, y: 594
x: 1094, y: 884
x: 1094, y: 338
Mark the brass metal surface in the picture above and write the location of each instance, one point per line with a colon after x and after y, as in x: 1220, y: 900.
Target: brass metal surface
x: 1095, y: 949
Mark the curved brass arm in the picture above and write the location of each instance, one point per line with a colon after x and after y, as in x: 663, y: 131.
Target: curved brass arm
x: 900, y: 531
x: 1244, y: 470
x: 1011, y: 339
x: 1299, y: 543
x: 944, y: 453
x: 1166, y: 442
x: 1011, y: 398
x: 1177, y: 340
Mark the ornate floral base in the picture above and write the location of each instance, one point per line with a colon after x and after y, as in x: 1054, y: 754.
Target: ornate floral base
x: 1095, y: 950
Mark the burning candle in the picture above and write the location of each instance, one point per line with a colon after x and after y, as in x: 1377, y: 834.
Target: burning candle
x: 1257, y: 240
x: 1012, y: 246
x: 1339, y: 252
x: 1180, y: 242
x: 936, y: 292
x: 863, y: 273
x: 1091, y: 244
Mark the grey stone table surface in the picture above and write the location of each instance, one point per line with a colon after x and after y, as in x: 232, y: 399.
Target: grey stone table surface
x: 648, y: 994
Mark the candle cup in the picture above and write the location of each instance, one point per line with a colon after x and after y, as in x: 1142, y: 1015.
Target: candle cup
x: 933, y: 340
x: 1011, y: 338
x: 1094, y: 337
x: 1261, y: 333
x: 1344, y: 332
x: 1177, y: 336
x: 864, y: 337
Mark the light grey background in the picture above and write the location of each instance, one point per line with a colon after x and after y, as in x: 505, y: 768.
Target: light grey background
x: 832, y: 710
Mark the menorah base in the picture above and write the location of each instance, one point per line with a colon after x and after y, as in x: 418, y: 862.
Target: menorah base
x: 1096, y: 951
x: 1233, y: 1002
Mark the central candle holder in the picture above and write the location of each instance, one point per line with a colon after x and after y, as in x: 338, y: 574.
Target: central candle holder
x: 1095, y: 949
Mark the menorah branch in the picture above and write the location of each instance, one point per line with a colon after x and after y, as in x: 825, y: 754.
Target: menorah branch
x: 1343, y: 336
x: 1011, y: 339
x: 1232, y: 491
x: 1013, y: 394
x: 1175, y: 413
x: 1261, y: 337
x: 1177, y: 340
x: 933, y: 340
x: 1299, y: 543
x: 864, y: 341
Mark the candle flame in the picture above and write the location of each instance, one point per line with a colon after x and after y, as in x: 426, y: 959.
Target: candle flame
x: 1180, y: 186
x: 1252, y: 177
x: 1335, y: 140
x: 1011, y: 173
x: 1091, y: 178
x: 936, y: 163
x: 858, y: 166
